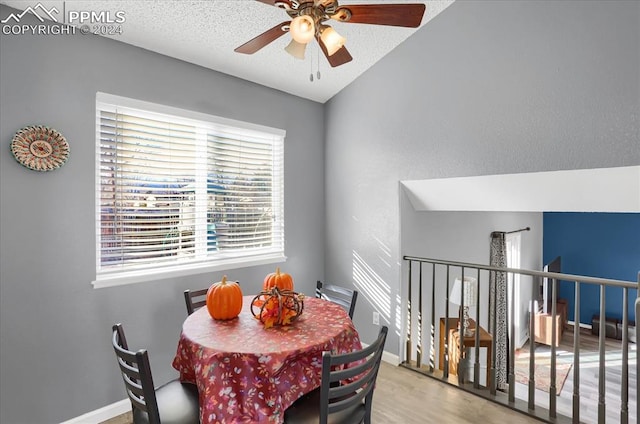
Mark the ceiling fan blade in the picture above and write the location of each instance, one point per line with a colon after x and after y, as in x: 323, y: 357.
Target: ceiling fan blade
x: 403, y: 15
x: 340, y: 57
x: 255, y: 44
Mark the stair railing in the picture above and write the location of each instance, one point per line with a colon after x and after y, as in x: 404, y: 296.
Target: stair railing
x: 431, y: 285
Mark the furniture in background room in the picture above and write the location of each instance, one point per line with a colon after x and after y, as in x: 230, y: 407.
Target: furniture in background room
x: 349, y: 402
x: 342, y: 296
x: 247, y: 373
x: 172, y: 403
x: 195, y: 299
x: 544, y: 322
x: 631, y: 331
x: 454, y: 349
x: 613, y: 328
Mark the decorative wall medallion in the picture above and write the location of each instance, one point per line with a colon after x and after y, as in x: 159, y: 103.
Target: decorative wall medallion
x: 40, y: 148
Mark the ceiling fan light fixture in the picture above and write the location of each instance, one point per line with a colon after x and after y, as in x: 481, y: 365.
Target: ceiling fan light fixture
x: 296, y: 49
x: 307, y: 18
x: 302, y: 29
x: 332, y: 40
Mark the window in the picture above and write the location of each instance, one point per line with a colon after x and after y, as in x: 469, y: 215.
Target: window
x: 180, y: 192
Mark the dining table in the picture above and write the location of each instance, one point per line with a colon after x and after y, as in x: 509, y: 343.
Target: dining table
x: 246, y: 373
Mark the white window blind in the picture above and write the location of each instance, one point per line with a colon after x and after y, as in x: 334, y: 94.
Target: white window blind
x: 176, y: 193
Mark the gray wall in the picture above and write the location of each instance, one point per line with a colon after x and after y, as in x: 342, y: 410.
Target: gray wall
x: 56, y: 361
x: 485, y: 88
x: 489, y: 87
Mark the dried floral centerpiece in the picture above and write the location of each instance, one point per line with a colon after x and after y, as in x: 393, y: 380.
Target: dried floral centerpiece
x: 277, y: 307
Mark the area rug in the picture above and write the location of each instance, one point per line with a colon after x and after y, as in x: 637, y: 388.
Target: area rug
x: 542, y: 373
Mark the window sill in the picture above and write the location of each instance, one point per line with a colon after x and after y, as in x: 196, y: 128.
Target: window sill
x: 141, y: 276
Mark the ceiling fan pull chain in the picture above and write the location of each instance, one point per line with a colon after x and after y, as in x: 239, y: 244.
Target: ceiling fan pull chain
x: 311, y: 63
x: 318, y: 63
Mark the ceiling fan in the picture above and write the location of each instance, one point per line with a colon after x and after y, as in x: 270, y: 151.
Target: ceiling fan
x: 308, y: 22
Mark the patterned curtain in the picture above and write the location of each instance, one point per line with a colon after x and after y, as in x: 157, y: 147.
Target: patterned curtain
x: 498, y: 303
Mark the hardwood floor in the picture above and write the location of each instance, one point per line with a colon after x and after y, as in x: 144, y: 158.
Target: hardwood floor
x: 589, y: 371
x: 120, y: 419
x: 406, y: 397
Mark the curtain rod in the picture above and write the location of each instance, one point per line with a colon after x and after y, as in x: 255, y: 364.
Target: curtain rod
x: 496, y: 233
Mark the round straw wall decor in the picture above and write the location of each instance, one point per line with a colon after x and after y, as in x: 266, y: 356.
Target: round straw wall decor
x: 40, y: 148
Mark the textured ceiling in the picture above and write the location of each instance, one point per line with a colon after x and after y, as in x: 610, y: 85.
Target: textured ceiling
x: 206, y: 33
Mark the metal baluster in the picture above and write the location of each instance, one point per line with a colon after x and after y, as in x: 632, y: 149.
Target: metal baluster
x: 419, y: 335
x: 554, y: 332
x: 532, y: 344
x: 576, y: 355
x: 432, y: 359
x: 445, y: 368
x: 408, y: 345
x: 624, y: 395
x: 462, y: 354
x: 512, y: 341
x: 601, y: 374
x: 476, y: 365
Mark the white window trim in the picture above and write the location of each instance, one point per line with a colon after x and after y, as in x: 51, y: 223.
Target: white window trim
x: 117, y: 278
x: 142, y: 276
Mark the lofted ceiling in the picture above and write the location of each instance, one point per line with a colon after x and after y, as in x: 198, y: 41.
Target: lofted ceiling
x: 206, y: 33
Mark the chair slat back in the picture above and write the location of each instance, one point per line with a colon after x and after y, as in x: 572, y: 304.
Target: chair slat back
x: 195, y: 299
x: 340, y: 295
x: 136, y: 374
x: 359, y: 378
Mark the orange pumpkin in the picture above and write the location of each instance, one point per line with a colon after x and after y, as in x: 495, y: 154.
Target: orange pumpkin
x: 224, y: 299
x: 278, y: 279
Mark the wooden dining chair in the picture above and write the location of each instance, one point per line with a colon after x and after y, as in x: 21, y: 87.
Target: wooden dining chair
x: 349, y: 402
x: 195, y: 299
x: 172, y: 403
x: 342, y: 296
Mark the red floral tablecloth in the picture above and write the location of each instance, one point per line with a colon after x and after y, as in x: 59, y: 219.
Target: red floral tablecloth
x: 248, y: 374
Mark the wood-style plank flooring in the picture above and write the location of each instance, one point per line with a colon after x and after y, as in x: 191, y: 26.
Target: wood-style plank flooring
x: 589, y: 379
x: 406, y: 397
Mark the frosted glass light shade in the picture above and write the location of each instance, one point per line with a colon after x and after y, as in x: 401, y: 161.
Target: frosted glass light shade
x: 332, y: 40
x: 470, y: 291
x: 296, y: 49
x: 302, y: 29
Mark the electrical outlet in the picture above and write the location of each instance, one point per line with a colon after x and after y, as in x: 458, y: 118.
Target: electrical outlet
x: 376, y: 318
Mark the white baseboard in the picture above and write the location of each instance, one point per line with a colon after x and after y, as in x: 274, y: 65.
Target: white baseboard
x: 390, y: 358
x: 102, y: 414
x: 582, y: 325
x: 387, y: 357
